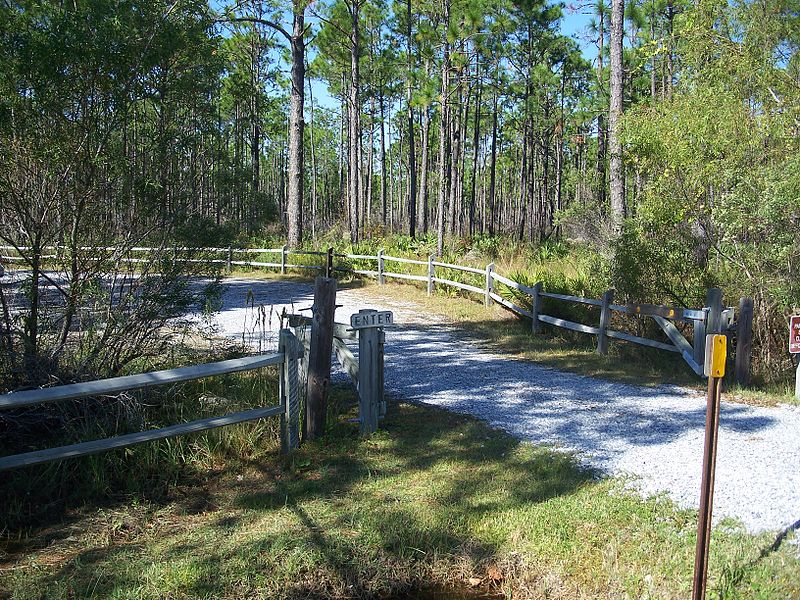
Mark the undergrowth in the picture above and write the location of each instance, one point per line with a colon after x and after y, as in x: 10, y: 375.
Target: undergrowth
x: 148, y: 470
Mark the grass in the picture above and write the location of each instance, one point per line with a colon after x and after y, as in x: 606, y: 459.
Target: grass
x: 433, y: 498
x: 148, y: 471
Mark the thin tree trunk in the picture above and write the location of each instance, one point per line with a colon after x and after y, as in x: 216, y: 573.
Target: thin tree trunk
x: 370, y: 159
x: 313, y: 163
x: 412, y: 159
x: 601, y: 129
x: 355, y: 122
x: 443, y: 138
x: 493, y: 167
x: 296, y: 126
x: 383, y: 158
x: 614, y: 116
x: 475, y: 140
x: 422, y: 216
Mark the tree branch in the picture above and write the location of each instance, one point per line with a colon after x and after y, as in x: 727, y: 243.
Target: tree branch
x: 258, y: 21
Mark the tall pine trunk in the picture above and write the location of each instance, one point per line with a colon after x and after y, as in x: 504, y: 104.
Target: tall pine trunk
x: 355, y: 123
x: 412, y: 167
x: 296, y: 125
x: 614, y: 115
x: 443, y: 137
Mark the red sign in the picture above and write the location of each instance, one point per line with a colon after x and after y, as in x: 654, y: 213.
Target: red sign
x: 794, y: 334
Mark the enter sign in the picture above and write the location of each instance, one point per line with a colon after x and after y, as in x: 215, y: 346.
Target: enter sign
x: 362, y: 320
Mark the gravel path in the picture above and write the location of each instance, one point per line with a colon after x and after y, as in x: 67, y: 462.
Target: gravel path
x: 654, y: 435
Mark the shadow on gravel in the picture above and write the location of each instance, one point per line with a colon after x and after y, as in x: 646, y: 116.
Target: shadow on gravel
x: 539, y: 403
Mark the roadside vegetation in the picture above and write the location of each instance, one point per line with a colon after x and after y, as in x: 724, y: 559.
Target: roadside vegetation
x: 564, y: 268
x: 147, y: 471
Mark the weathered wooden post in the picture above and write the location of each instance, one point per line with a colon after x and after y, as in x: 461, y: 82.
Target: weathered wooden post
x: 536, y: 308
x: 319, y: 356
x: 699, y: 338
x: 744, y: 341
x: 430, y: 274
x: 794, y: 349
x: 369, y: 323
x: 283, y: 259
x: 797, y: 381
x: 229, y: 260
x: 381, y: 381
x: 329, y: 263
x: 487, y: 299
x: 289, y: 391
x: 605, y: 319
x: 714, y: 316
x: 380, y: 267
x: 714, y: 369
x: 368, y: 340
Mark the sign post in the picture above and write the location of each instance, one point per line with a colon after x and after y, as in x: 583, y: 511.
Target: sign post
x: 716, y: 354
x: 794, y: 348
x: 370, y: 324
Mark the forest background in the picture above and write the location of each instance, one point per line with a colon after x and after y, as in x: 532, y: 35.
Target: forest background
x: 657, y: 155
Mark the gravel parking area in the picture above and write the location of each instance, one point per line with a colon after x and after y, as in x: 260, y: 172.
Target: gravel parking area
x: 654, y: 435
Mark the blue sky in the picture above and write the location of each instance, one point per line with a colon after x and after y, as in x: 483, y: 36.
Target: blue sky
x: 577, y: 16
x: 574, y: 24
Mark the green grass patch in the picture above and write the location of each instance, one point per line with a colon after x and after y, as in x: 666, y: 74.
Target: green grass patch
x: 433, y: 499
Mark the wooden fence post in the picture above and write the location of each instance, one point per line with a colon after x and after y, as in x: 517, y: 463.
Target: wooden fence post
x: 714, y: 305
x: 319, y: 356
x: 744, y: 341
x: 605, y: 318
x: 289, y: 391
x: 536, y: 308
x: 283, y: 259
x: 487, y: 300
x: 368, y: 381
x: 329, y: 263
x: 229, y: 261
x: 430, y: 274
x: 699, y: 338
x: 380, y: 267
x: 381, y: 380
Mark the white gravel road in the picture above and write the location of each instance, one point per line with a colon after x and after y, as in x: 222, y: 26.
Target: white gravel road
x: 653, y: 435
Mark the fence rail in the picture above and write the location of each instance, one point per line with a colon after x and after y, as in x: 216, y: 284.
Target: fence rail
x: 287, y: 407
x: 713, y: 318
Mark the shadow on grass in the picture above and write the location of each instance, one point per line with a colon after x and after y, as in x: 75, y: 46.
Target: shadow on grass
x: 355, y: 518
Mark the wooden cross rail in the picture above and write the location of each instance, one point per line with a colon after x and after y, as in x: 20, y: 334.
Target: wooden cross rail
x: 287, y: 408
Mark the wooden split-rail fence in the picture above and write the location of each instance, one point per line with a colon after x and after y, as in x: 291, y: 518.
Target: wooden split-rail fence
x: 712, y: 318
x: 287, y: 407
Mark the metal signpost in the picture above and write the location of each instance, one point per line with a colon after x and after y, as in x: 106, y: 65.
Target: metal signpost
x: 370, y: 324
x: 794, y: 348
x: 716, y: 354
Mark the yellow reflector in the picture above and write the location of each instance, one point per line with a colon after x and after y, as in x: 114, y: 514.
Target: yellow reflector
x: 716, y: 355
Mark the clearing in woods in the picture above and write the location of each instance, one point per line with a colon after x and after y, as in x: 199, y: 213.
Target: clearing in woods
x: 652, y: 435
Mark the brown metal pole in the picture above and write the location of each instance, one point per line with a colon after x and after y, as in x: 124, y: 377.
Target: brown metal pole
x: 707, y: 489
